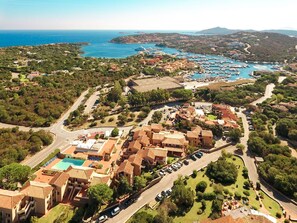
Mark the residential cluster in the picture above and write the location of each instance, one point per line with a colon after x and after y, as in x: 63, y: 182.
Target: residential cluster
x: 99, y: 158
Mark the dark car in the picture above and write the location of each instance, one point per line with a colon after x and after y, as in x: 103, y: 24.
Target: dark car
x: 193, y: 157
x: 128, y: 202
x: 198, y: 155
x: 186, y: 162
x: 159, y: 197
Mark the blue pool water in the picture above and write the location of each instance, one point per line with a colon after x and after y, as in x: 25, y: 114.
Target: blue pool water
x: 99, y: 46
x: 65, y: 163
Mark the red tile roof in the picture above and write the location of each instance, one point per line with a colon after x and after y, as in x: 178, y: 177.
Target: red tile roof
x: 9, y: 199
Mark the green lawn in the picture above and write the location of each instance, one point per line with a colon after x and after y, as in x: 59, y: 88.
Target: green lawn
x: 23, y: 78
x: 271, y: 205
x: 62, y: 212
x: 212, y: 117
x: 192, y: 215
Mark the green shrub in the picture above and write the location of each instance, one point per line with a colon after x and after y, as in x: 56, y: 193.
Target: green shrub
x: 237, y: 195
x: 246, y: 193
x: 201, y: 186
x: 209, y: 196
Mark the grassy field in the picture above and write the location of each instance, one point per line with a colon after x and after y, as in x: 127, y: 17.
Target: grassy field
x: 271, y: 205
x: 212, y: 117
x: 238, y: 186
x: 61, y: 213
x: 192, y: 215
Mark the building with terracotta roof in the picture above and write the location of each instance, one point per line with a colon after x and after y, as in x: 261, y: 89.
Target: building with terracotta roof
x: 60, y: 182
x: 224, y: 112
x: 41, y: 194
x: 11, y: 206
x: 134, y: 146
x: 126, y: 170
x: 197, y: 136
x: 136, y: 161
x: 186, y: 112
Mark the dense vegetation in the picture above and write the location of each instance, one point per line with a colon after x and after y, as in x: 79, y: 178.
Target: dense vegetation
x: 222, y: 171
x: 63, y: 75
x: 241, y: 95
x: 279, y: 167
x: 263, y: 46
x: 15, y: 145
x: 12, y: 174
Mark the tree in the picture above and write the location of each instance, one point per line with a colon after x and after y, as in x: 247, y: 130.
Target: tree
x: 201, y: 186
x: 157, y: 116
x: 283, y: 127
x: 115, y: 132
x: 139, y: 182
x: 234, y: 135
x: 115, y: 93
x: 240, y: 147
x: 100, y: 193
x: 222, y: 171
x: 293, y: 134
x: 124, y: 187
x: 183, y: 94
x: 13, y: 173
x: 182, y: 196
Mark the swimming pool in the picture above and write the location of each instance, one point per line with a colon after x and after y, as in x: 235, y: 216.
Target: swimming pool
x: 65, y: 163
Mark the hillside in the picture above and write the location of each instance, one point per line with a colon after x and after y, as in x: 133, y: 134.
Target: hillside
x: 226, y: 31
x: 245, y: 46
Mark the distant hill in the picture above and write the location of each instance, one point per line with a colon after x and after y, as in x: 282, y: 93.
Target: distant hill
x: 225, y: 31
x: 220, y: 31
x: 282, y: 31
x: 245, y: 46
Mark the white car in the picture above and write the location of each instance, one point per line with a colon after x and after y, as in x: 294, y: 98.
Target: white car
x: 169, y: 170
x: 175, y: 167
x: 115, y: 211
x: 102, y: 218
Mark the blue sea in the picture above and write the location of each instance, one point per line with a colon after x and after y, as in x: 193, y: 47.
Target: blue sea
x: 99, y: 46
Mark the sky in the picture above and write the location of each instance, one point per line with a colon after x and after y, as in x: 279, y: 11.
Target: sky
x: 147, y: 14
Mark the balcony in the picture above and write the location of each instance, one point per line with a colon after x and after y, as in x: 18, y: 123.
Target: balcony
x: 25, y: 211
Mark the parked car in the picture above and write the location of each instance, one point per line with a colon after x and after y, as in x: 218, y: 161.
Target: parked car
x: 193, y: 157
x: 201, y: 153
x: 179, y: 164
x: 163, y: 193
x: 198, y: 155
x: 161, y: 173
x: 159, y: 197
x: 174, y: 167
x: 129, y: 201
x: 169, y: 170
x: 168, y: 192
x: 186, y: 162
x: 102, y: 218
x: 115, y: 211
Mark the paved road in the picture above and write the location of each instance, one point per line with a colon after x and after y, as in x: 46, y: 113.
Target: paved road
x: 62, y: 136
x: 91, y: 101
x: 166, y: 183
x: 250, y: 164
x: 267, y: 94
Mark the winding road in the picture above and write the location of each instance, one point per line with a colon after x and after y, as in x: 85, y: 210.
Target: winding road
x: 63, y: 137
x: 167, y: 181
x: 248, y: 159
